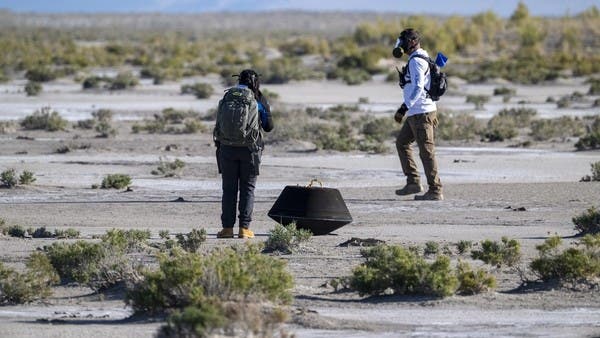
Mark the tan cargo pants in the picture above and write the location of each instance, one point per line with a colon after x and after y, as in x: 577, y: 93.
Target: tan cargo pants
x: 419, y: 127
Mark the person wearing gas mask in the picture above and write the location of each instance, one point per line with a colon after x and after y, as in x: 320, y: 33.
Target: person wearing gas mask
x: 243, y: 114
x: 421, y: 120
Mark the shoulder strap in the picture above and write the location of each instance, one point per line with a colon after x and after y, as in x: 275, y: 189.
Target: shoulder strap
x: 426, y: 58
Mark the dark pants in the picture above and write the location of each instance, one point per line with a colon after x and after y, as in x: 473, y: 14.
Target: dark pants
x: 420, y: 128
x: 239, y: 169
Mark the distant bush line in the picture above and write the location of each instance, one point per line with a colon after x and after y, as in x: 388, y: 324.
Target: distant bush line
x: 526, y: 49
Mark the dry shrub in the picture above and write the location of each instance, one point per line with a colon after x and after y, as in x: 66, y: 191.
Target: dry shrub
x: 34, y: 283
x: 44, y: 119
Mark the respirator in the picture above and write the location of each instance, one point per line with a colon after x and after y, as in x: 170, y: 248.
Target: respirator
x: 400, y: 46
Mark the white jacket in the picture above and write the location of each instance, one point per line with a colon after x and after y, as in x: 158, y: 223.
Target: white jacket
x: 415, y: 96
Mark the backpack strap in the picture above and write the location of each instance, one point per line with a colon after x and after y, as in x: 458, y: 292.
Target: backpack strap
x: 426, y: 58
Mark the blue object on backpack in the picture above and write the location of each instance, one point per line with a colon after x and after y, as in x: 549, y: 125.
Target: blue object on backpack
x: 441, y: 59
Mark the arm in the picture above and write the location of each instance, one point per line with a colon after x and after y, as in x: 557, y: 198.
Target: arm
x: 418, y: 70
x: 264, y: 110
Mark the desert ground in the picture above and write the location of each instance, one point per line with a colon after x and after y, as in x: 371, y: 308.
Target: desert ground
x: 485, y: 186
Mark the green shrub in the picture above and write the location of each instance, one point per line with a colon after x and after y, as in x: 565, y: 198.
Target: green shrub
x: 194, y: 321
x: 62, y: 149
x: 116, y: 181
x: 126, y: 240
x: 44, y: 119
x: 215, y: 318
x: 565, y: 126
x: 124, y: 80
x: 192, y: 241
x: 589, y: 142
x: 185, y: 279
x: 33, y: 284
x: 66, y: 233
x: 350, y: 75
x: 457, y: 126
x: 93, y: 82
x: 507, y: 252
x: 40, y: 232
x: 26, y: 178
x: 500, y: 128
x: 164, y: 234
x: 169, y: 169
x: 504, y: 91
x: 478, y: 100
x: 105, y: 129
x: 99, y: 265
x: 572, y: 264
x: 16, y: 231
x: 378, y: 129
x: 431, y: 248
x: 169, y: 121
x: 521, y: 116
x: 403, y: 272
x: 200, y: 90
x: 9, y: 178
x: 463, y: 246
x: 33, y: 88
x: 75, y: 262
x: 588, y: 222
x: 592, y: 139
x: 505, y: 124
x: 40, y: 74
x: 285, y: 239
x: 594, y: 86
x: 473, y: 282
x: 331, y: 137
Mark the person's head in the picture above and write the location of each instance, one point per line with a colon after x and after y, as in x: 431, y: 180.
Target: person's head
x: 408, y: 41
x: 249, y: 78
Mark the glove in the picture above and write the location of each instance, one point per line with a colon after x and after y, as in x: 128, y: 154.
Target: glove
x: 400, y: 113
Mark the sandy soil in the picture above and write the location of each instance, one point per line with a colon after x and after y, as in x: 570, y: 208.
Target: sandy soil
x: 483, y: 187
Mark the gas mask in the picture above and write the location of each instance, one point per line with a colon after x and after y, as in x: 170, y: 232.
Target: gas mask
x: 398, y: 47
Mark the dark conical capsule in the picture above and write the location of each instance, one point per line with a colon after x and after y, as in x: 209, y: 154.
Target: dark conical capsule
x: 320, y: 210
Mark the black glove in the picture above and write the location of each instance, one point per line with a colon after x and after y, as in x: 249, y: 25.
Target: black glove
x: 400, y: 113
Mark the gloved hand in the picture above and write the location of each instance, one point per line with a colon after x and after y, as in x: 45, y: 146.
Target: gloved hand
x: 400, y: 113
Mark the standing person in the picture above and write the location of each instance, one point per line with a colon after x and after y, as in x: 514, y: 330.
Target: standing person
x: 421, y: 120
x: 242, y: 115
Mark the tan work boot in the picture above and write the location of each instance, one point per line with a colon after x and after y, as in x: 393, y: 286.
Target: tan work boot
x: 410, y: 188
x: 225, y: 233
x: 430, y: 196
x: 245, y: 233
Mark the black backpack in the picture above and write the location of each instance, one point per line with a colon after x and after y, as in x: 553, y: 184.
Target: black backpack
x: 439, y: 82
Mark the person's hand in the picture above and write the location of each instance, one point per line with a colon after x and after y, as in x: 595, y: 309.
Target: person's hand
x: 400, y: 113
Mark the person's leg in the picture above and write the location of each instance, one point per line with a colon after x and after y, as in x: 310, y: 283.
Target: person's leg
x: 248, y: 176
x: 425, y: 126
x: 409, y: 167
x: 230, y: 172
